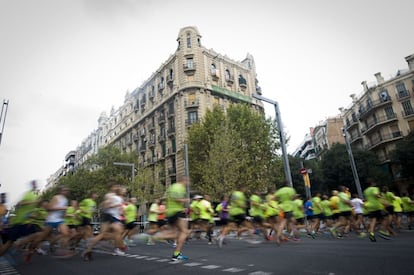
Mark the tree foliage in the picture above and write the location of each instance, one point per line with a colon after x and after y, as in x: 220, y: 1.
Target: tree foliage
x: 336, y: 168
x: 403, y: 156
x: 232, y: 149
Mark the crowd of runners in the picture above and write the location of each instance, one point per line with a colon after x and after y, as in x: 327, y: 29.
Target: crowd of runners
x: 278, y: 216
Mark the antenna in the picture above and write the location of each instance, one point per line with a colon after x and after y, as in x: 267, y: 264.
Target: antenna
x: 3, y: 115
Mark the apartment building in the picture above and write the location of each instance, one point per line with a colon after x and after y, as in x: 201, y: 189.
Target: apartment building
x: 383, y: 113
x: 155, y: 117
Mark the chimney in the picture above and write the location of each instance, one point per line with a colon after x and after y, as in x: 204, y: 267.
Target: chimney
x: 410, y: 61
x: 379, y: 78
x: 365, y: 85
x: 354, y: 98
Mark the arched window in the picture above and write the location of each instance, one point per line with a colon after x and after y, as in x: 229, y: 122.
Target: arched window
x: 213, y: 69
x: 227, y: 75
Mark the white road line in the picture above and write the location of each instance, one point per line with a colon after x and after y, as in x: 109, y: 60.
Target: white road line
x: 260, y: 273
x: 210, y: 266
x: 233, y: 270
x: 193, y: 264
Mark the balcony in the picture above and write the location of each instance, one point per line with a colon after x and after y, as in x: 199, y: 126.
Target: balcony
x: 377, y: 122
x: 171, y: 131
x: 192, y: 103
x: 371, y: 107
x: 189, y: 68
x: 171, y: 171
x: 230, y: 80
x: 142, y: 148
x: 351, y: 124
x: 161, y: 119
x: 151, y: 95
x: 161, y: 86
x: 407, y: 113
x: 151, y: 143
x: 189, y: 122
x: 170, y: 79
x: 161, y: 138
x: 403, y: 94
x: 383, y: 139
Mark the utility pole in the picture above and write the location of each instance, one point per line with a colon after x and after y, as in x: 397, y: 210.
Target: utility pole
x: 288, y: 175
x: 3, y: 116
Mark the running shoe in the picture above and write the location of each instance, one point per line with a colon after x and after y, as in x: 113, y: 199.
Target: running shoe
x: 372, y: 237
x: 40, y: 251
x: 87, y: 256
x: 333, y: 232
x: 118, y: 252
x: 385, y: 235
x: 220, y: 240
x: 179, y: 257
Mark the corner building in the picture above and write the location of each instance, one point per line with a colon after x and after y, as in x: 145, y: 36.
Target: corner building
x: 155, y: 117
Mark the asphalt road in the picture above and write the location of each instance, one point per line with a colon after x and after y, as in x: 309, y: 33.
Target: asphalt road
x: 323, y: 255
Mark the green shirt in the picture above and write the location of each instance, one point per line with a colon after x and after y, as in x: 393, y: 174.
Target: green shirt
x: 256, y: 207
x: 130, y: 213
x: 317, y: 208
x: 343, y: 205
x: 298, y: 209
x: 153, y: 212
x: 38, y: 216
x: 238, y: 203
x: 23, y: 211
x: 373, y: 203
x: 175, y: 192
x: 397, y: 204
x: 87, y: 207
x: 326, y: 206
x: 285, y: 195
x: 72, y: 217
x: 407, y: 204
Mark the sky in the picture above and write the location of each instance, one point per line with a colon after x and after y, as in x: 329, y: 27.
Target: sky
x: 62, y: 63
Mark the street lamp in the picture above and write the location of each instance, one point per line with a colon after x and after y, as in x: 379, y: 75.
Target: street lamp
x: 286, y: 166
x: 353, y: 166
x: 132, y: 165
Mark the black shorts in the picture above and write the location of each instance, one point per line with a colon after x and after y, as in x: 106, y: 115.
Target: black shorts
x: 258, y: 220
x: 379, y: 214
x: 390, y: 209
x: 345, y: 214
x: 238, y: 219
x: 174, y: 218
x: 85, y: 221
x: 161, y: 223
x: 18, y: 231
x: 131, y: 225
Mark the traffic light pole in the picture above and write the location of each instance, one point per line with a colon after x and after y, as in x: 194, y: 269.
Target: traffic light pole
x: 4, y: 108
x: 353, y: 166
x: 288, y: 175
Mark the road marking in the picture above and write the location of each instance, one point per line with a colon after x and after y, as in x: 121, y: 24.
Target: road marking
x: 260, y: 273
x: 233, y: 270
x: 163, y: 260
x: 152, y: 258
x: 210, y: 266
x: 193, y: 264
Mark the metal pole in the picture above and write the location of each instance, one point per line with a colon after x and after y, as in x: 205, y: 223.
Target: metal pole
x: 133, y: 178
x: 286, y: 166
x: 353, y: 166
x: 4, y: 108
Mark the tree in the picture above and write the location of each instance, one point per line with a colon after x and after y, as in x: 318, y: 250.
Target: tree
x: 403, y: 156
x: 95, y: 174
x: 227, y: 150
x: 336, y: 168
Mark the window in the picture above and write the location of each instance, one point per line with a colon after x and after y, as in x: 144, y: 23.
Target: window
x: 213, y: 69
x: 192, y: 117
x: 189, y: 63
x: 188, y: 40
x: 384, y: 96
x: 407, y: 107
x: 402, y: 92
x: 227, y: 75
x: 242, y: 81
x: 389, y: 111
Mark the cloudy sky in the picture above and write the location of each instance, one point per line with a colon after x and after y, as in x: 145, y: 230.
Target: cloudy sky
x: 64, y: 62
